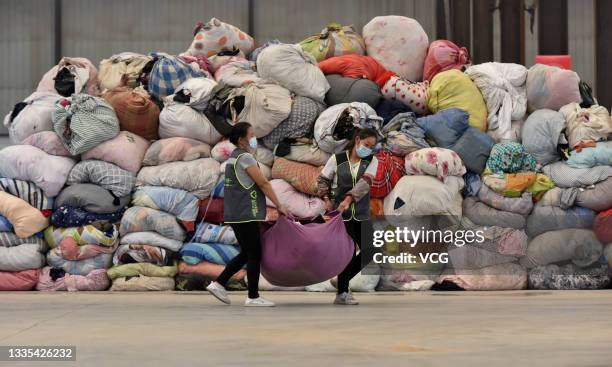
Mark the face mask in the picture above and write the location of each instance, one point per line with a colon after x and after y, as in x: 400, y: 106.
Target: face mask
x: 253, y: 143
x: 363, y: 152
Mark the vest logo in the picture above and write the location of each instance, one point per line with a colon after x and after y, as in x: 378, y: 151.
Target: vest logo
x: 253, y: 194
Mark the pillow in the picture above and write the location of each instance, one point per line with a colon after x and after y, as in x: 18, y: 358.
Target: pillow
x: 69, y: 249
x: 28, y: 163
x: 600, y: 155
x: 193, y: 253
x: 177, y: 202
x: 95, y: 280
x: 438, y: 162
x: 208, y: 232
x: 197, y: 177
x: 91, y: 198
x: 151, y: 239
x: 49, y: 142
x: 126, y: 150
x: 140, y: 219
x: 25, y: 219
x: 24, y: 280
x: 175, y: 149
x: 67, y: 216
x: 29, y: 192
x: 580, y: 246
x: 566, y: 176
x: 79, y: 267
x: 101, y: 234
x: 598, y: 197
x: 138, y: 269
x: 22, y: 257
x: 107, y: 175
x: 141, y: 283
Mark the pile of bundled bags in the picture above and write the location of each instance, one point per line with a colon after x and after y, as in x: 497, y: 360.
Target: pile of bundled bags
x: 116, y: 177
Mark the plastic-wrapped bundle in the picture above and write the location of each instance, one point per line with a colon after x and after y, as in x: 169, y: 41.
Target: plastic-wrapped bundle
x: 501, y: 277
x: 24, y: 280
x: 22, y: 257
x: 67, y: 216
x: 127, y: 254
x: 91, y: 198
x: 237, y: 72
x: 123, y: 69
x: 298, y: 204
x: 503, y: 88
x: 217, y: 253
x: 299, y: 123
x: 28, y: 192
x: 209, y: 232
x: 85, y: 77
x: 142, y: 283
x: 551, y: 87
x: 25, y: 219
x: 168, y: 73
x: 180, y: 120
x: 102, y: 234
x: 568, y: 276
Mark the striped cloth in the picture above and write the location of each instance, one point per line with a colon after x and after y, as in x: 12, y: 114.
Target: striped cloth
x: 83, y: 122
x: 5, y: 225
x: 111, y: 177
x: 217, y: 253
x: 28, y: 192
x: 9, y: 239
x: 168, y: 73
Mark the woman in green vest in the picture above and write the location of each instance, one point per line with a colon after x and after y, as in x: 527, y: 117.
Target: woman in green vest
x: 345, y: 184
x: 244, y: 206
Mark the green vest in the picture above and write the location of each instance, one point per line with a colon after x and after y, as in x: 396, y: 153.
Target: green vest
x: 241, y: 203
x: 357, y: 210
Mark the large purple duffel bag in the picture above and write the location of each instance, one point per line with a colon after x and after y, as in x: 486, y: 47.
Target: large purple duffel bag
x: 295, y: 254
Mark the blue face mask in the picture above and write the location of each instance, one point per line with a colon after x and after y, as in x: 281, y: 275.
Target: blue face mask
x: 363, y: 152
x: 253, y: 143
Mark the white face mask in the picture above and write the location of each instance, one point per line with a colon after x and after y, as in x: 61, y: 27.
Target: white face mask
x: 253, y: 143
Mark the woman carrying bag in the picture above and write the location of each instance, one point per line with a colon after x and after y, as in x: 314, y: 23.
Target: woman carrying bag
x: 244, y: 206
x: 344, y: 184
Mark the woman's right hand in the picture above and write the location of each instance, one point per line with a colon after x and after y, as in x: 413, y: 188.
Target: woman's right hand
x: 281, y: 210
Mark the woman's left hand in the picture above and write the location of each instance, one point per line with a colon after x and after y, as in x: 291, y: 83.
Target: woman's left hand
x: 344, y: 205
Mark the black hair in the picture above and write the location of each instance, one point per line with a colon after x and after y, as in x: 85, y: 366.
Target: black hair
x: 361, y: 134
x: 238, y: 131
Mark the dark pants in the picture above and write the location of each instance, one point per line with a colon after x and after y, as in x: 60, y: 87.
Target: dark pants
x: 248, y: 237
x: 361, y: 232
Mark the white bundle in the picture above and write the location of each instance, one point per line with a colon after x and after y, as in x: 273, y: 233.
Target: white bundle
x: 503, y: 87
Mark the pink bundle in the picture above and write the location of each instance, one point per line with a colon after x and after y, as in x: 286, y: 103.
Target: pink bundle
x: 444, y: 55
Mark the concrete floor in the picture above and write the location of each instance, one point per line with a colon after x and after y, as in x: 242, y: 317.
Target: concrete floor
x: 530, y: 328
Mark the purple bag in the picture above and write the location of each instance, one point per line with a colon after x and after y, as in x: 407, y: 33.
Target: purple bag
x: 295, y: 255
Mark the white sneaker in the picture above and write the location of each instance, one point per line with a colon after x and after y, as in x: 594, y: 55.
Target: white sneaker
x: 258, y: 302
x: 219, y: 292
x: 345, y: 299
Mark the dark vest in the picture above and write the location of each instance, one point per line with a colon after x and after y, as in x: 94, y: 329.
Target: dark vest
x: 241, y: 203
x: 361, y: 209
